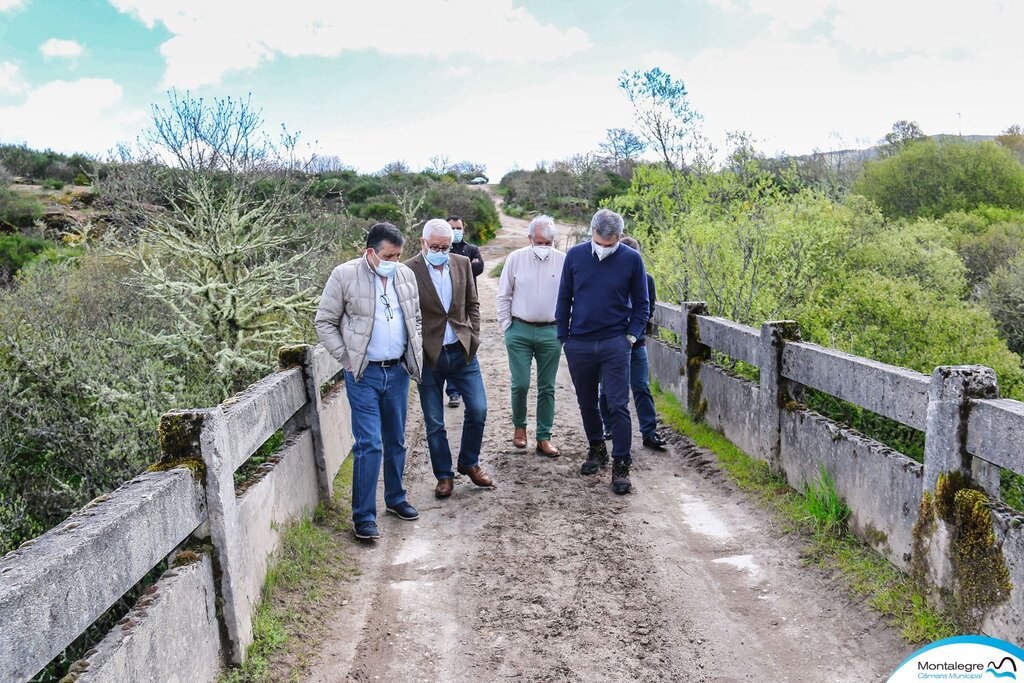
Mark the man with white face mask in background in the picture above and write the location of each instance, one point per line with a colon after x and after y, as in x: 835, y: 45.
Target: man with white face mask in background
x: 602, y: 309
x: 463, y: 248
x: 526, y: 311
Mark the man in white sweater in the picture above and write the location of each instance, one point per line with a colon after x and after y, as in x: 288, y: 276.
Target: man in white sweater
x: 526, y: 311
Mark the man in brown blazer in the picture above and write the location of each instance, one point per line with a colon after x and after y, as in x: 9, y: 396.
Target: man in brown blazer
x: 451, y: 335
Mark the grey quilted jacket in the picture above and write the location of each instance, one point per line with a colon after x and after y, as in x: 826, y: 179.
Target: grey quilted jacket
x: 344, y: 320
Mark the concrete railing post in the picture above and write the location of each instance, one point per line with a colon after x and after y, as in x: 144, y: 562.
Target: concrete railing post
x: 694, y: 355
x: 774, y: 391
x: 199, y: 434
x: 309, y: 416
x: 949, y: 395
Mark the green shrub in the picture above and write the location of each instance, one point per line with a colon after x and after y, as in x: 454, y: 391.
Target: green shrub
x: 53, y: 184
x: 82, y: 391
x: 932, y: 178
x: 17, y: 251
x: 18, y: 210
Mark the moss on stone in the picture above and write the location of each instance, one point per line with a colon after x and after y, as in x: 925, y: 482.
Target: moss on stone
x: 983, y: 579
x: 185, y: 558
x: 875, y: 537
x: 946, y: 488
x: 179, y: 433
x: 195, y: 465
x: 292, y: 356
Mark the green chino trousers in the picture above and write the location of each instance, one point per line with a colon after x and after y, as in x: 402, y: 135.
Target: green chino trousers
x: 525, y: 342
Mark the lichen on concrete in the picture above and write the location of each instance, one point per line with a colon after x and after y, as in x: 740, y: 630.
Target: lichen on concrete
x: 292, y: 356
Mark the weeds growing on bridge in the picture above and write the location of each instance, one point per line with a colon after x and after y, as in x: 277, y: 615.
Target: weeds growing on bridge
x: 819, y: 516
x: 311, y: 559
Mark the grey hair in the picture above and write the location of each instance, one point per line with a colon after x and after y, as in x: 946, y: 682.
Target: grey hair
x: 437, y: 226
x: 544, y: 223
x: 606, y: 223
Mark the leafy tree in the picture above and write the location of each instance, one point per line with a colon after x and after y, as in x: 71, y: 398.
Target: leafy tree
x: 663, y: 113
x: 931, y: 178
x: 1013, y: 139
x: 902, y: 134
x: 1003, y: 293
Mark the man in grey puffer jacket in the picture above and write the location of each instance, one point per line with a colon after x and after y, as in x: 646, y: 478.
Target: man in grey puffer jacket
x: 369, y: 320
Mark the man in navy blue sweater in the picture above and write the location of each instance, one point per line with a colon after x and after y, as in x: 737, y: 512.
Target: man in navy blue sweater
x: 602, y: 309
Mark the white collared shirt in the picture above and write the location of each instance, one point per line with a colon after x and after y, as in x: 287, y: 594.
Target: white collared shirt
x: 528, y: 288
x: 389, y: 336
x: 442, y: 280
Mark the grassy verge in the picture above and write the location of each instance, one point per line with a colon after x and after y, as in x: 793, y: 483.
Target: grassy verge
x: 496, y: 270
x: 819, y: 516
x: 311, y: 561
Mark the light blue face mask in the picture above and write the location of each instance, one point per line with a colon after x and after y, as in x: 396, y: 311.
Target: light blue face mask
x: 438, y: 258
x: 386, y: 268
x: 456, y: 235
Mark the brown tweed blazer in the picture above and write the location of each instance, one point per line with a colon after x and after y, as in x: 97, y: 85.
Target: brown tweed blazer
x: 464, y: 314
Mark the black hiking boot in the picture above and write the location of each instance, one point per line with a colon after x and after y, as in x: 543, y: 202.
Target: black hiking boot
x: 597, y: 457
x: 620, y: 477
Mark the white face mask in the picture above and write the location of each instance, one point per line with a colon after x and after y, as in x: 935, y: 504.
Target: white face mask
x: 604, y: 252
x: 542, y: 252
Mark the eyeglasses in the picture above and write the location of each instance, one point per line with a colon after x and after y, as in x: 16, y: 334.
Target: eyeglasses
x: 437, y: 249
x: 387, y: 307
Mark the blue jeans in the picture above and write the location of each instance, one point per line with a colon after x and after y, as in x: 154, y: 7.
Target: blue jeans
x: 643, y: 399
x: 590, y: 364
x: 465, y: 377
x: 378, y: 402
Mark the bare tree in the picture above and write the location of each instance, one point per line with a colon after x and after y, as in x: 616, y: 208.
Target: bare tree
x: 409, y: 200
x: 397, y: 167
x: 440, y: 164
x: 621, y: 148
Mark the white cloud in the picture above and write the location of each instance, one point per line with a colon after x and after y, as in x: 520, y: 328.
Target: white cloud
x: 86, y: 115
x: 210, y: 39
x: 64, y: 49
x: 11, y: 5
x: 546, y: 123
x: 458, y: 72
x: 11, y: 82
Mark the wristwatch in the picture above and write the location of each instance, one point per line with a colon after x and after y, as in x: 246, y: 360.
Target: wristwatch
x: 631, y: 338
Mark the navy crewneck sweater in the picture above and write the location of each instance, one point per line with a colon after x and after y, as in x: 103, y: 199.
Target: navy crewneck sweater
x: 601, y: 299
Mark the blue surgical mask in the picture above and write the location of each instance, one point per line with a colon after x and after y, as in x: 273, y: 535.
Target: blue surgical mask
x: 386, y: 268
x: 436, y: 258
x: 456, y: 235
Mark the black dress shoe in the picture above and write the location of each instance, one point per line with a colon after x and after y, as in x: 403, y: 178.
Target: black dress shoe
x: 654, y: 440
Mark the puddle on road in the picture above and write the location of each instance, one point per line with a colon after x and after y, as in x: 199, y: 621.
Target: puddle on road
x: 741, y: 562
x: 702, y: 519
x: 413, y: 549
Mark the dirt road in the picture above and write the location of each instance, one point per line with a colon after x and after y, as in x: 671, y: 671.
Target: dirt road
x: 551, y: 577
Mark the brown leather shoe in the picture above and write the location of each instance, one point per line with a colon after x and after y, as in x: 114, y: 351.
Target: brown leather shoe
x: 519, y: 438
x: 443, y: 488
x: 477, y: 475
x: 547, y: 448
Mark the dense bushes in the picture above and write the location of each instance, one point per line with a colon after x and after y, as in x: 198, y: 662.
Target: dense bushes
x: 18, y: 210
x: 82, y: 390
x: 934, y: 177
x: 36, y: 165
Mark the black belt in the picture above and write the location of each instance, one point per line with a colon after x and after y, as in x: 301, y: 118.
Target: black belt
x: 453, y: 345
x: 386, y: 363
x: 530, y: 322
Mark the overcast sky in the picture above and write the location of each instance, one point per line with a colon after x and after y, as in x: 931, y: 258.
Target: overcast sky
x: 506, y: 82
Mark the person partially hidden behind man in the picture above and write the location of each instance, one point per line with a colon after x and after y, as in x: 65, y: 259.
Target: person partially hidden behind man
x: 526, y: 311
x: 602, y: 310
x: 463, y: 248
x: 369, y: 321
x: 639, y: 378
x: 451, y: 336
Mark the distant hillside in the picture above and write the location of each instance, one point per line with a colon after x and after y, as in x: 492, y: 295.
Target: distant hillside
x: 872, y: 152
